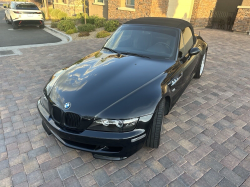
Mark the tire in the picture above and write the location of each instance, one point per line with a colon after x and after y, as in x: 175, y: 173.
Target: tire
x: 6, y: 19
x: 46, y: 128
x: 41, y: 26
x: 14, y: 25
x: 201, y: 66
x: 153, y: 138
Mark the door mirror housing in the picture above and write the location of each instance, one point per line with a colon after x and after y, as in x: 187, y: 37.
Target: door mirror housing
x: 194, y: 51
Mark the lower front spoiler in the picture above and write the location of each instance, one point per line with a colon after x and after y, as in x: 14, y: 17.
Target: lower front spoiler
x: 103, y: 145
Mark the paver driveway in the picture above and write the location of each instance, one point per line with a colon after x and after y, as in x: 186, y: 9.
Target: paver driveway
x: 205, y: 139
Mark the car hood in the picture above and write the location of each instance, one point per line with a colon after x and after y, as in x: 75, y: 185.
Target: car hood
x: 101, y: 79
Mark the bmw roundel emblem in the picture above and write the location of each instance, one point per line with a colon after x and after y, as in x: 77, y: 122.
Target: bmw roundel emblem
x: 67, y: 105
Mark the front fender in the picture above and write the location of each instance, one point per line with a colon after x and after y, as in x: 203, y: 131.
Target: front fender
x: 140, y: 102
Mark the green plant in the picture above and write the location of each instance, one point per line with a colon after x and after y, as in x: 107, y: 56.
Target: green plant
x: 43, y: 14
x: 81, y: 34
x: 89, y: 19
x: 50, y: 10
x: 86, y: 28
x: 54, y: 13
x: 99, y: 22
x: 62, y: 15
x: 65, y: 25
x: 102, y: 34
x: 71, y: 31
x: 111, y: 25
x: 54, y: 24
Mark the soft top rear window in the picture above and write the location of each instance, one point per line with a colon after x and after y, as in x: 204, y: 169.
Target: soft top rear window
x: 26, y: 7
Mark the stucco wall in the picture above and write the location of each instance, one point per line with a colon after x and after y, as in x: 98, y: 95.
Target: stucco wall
x: 180, y: 9
x: 98, y: 9
x: 246, y: 3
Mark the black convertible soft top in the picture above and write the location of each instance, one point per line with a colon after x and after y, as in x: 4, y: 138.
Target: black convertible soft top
x: 161, y: 21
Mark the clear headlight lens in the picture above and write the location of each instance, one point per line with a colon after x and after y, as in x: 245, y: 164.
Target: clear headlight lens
x: 52, y: 81
x: 113, y: 125
x: 45, y: 103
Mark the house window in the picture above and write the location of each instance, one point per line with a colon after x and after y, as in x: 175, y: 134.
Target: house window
x: 99, y: 1
x: 130, y: 3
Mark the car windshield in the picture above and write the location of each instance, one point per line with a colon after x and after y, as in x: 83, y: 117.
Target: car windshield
x: 145, y: 40
x: 26, y: 7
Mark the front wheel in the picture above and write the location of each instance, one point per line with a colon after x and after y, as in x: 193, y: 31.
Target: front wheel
x: 153, y: 138
x: 200, y: 69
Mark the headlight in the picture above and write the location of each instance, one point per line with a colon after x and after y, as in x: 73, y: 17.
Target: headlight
x: 114, y: 125
x: 45, y: 103
x: 52, y: 81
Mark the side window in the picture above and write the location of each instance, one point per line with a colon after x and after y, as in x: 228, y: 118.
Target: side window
x: 181, y: 47
x: 188, y: 40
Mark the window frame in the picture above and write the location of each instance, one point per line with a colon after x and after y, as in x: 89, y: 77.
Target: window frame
x: 129, y: 5
x: 96, y: 1
x: 181, y: 40
x: 185, y: 44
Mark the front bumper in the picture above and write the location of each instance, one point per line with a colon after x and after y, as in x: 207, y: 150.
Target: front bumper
x: 104, y: 145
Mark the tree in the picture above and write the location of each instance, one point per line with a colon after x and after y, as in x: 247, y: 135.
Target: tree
x: 78, y: 3
x: 46, y: 8
x: 84, y: 10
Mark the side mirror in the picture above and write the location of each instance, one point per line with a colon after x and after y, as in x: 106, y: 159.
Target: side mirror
x: 194, y: 51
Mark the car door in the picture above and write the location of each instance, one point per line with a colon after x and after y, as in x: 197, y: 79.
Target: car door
x: 178, y: 78
x: 186, y: 65
x: 189, y: 61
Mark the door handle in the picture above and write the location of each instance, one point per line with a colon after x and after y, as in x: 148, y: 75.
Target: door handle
x: 175, y: 80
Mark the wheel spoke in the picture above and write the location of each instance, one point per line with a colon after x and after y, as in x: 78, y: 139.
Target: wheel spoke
x: 202, y: 64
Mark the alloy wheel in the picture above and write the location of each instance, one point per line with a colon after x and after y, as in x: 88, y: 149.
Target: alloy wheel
x: 203, y: 63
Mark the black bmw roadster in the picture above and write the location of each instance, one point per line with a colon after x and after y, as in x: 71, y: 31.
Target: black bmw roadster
x: 113, y: 101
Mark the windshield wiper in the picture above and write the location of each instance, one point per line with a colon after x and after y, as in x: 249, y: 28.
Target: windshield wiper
x: 135, y: 54
x: 110, y: 50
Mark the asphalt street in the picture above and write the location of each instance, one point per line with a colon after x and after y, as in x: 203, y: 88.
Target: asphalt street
x: 24, y: 35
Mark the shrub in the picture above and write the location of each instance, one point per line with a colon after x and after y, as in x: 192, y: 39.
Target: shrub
x: 62, y: 15
x: 99, y: 22
x: 50, y: 10
x: 86, y: 28
x: 71, y: 31
x: 102, y: 34
x: 81, y: 34
x: 111, y: 25
x: 65, y: 25
x: 91, y: 19
x: 54, y: 24
x: 54, y: 13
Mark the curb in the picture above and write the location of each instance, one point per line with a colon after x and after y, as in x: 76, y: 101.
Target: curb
x: 64, y: 40
x: 69, y: 38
